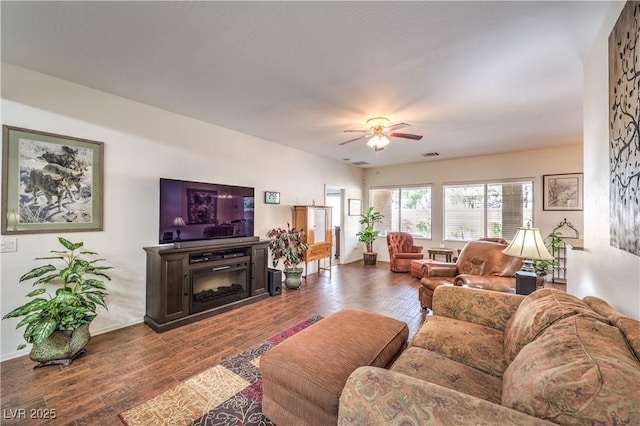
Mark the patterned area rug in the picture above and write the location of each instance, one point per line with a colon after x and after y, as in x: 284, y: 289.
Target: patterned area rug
x: 228, y: 394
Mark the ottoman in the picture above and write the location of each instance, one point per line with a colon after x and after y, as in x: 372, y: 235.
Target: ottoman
x: 427, y: 287
x: 416, y: 267
x: 303, y: 377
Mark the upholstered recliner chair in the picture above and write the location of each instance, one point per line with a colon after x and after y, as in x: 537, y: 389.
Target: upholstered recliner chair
x: 481, y: 264
x: 402, y: 251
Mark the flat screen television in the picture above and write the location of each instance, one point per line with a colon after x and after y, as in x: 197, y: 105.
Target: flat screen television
x: 197, y: 211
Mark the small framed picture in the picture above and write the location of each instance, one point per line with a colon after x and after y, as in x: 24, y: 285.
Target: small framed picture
x: 355, y: 207
x: 271, y: 197
x: 562, y: 192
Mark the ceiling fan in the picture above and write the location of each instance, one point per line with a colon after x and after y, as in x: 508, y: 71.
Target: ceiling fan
x: 380, y: 131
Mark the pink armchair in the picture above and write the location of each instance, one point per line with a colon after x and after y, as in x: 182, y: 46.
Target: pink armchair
x: 402, y: 251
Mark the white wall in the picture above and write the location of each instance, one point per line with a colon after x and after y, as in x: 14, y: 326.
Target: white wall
x: 527, y: 164
x: 142, y: 144
x: 602, y: 270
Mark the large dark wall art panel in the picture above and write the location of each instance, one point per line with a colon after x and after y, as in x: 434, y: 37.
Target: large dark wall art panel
x: 624, y: 130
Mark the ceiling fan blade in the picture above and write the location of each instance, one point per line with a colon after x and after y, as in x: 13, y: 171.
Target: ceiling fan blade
x: 406, y: 136
x: 359, y: 131
x: 352, y: 140
x: 398, y: 126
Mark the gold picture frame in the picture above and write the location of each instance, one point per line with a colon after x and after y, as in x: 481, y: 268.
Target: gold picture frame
x: 50, y: 182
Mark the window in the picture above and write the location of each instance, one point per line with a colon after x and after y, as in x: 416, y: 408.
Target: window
x: 406, y: 209
x: 492, y: 209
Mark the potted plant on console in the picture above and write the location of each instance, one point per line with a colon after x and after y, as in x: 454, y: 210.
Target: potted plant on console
x: 287, y: 245
x: 542, y: 268
x: 368, y: 235
x: 58, y: 325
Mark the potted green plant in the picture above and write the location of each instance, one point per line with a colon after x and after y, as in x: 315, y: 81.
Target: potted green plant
x: 58, y: 324
x: 368, y: 234
x: 542, y: 268
x: 287, y: 245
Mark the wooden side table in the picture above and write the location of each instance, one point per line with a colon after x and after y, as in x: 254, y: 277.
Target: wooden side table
x: 446, y: 252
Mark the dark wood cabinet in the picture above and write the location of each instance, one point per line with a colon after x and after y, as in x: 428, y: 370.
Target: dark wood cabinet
x: 190, y: 283
x: 173, y: 288
x: 260, y: 256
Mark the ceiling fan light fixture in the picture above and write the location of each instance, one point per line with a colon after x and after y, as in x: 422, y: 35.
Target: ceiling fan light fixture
x: 377, y: 122
x: 379, y: 131
x: 378, y: 142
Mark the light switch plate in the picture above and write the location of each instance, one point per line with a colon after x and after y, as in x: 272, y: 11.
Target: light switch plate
x: 8, y: 245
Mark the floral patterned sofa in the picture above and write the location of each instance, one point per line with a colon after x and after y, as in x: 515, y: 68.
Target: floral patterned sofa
x: 497, y: 358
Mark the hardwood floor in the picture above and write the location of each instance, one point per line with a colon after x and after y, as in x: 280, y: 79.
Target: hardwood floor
x: 128, y: 366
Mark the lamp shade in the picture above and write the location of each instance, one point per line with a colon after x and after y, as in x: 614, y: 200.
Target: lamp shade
x: 378, y: 142
x: 528, y: 244
x: 179, y: 221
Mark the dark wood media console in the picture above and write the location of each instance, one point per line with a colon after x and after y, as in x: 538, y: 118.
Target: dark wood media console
x: 191, y: 283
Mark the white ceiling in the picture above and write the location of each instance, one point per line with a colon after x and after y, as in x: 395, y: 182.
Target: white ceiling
x: 472, y: 77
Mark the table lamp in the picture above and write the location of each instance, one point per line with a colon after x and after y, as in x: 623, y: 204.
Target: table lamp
x: 178, y: 222
x: 527, y: 244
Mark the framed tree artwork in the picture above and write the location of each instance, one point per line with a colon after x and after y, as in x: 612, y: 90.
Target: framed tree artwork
x: 624, y: 125
x: 50, y: 182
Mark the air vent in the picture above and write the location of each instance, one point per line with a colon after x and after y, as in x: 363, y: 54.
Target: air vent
x: 431, y: 154
x: 360, y: 163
